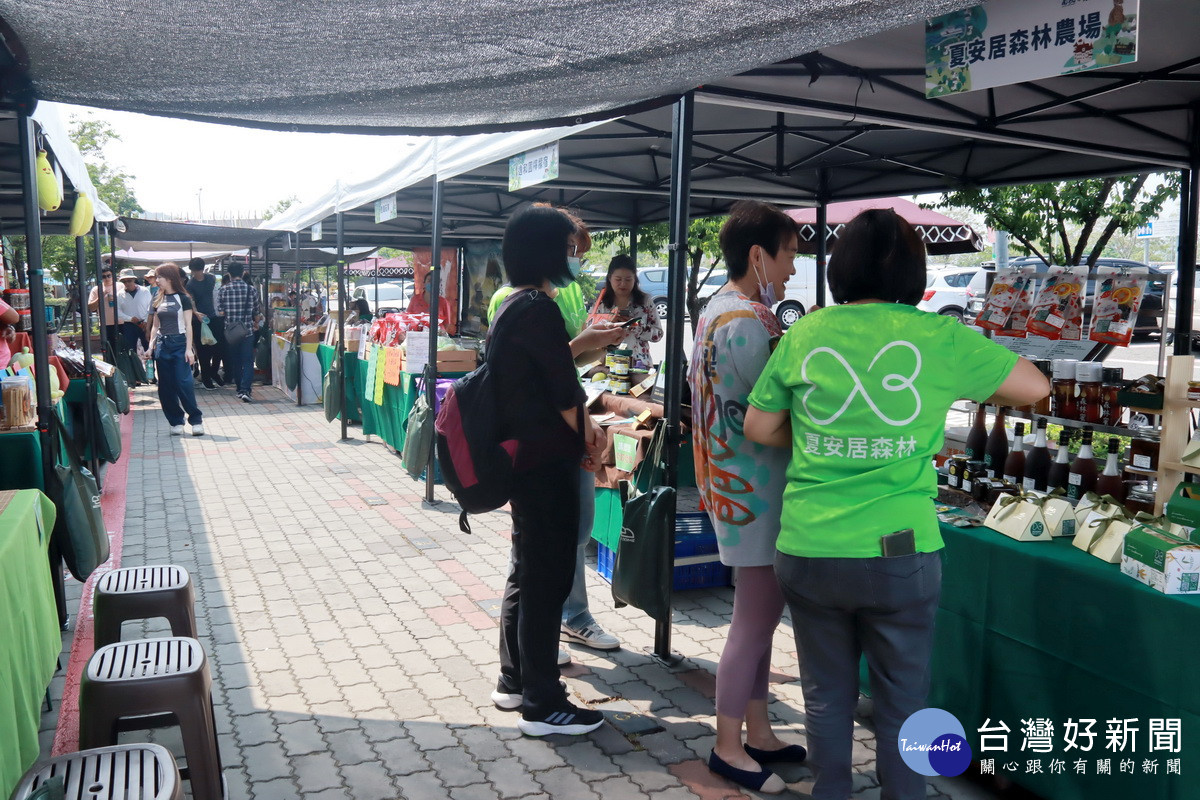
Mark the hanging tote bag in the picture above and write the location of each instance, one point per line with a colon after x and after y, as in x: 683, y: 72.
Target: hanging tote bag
x: 291, y: 368
x: 642, y: 569
x: 331, y: 391
x: 418, y: 440
x: 79, y: 527
x: 110, y: 430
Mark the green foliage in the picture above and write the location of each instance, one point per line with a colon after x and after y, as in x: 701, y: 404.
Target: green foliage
x: 1071, y: 222
x: 112, y: 185
x: 279, y: 207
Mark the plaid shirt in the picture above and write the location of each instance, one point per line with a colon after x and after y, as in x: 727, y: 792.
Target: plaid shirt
x: 238, y: 301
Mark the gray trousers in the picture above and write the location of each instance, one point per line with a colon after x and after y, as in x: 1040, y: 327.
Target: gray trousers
x: 841, y: 609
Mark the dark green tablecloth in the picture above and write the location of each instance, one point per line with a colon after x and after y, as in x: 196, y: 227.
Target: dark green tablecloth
x: 1043, y: 630
x: 21, y: 457
x: 30, y: 640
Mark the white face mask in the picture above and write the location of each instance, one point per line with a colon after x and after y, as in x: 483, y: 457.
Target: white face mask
x: 766, y: 289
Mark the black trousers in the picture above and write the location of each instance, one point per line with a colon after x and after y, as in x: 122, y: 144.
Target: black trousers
x: 209, y: 357
x: 545, y: 510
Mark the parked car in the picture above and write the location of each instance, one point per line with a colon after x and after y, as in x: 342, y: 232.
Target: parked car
x: 653, y: 281
x: 949, y: 289
x: 393, y: 296
x: 1149, y: 319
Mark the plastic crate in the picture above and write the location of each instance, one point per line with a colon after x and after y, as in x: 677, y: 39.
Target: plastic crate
x: 694, y: 536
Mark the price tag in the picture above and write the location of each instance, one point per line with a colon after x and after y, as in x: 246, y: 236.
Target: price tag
x: 1141, y: 462
x: 1055, y: 320
x: 1075, y: 479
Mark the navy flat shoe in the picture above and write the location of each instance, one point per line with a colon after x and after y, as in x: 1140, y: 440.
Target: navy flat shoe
x: 793, y: 753
x: 762, y: 781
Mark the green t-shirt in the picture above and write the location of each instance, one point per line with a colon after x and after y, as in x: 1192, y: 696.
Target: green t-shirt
x: 569, y: 299
x: 868, y: 387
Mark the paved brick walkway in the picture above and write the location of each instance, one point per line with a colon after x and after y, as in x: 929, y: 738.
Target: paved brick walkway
x: 351, y: 630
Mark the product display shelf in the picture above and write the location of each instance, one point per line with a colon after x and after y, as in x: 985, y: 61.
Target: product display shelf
x: 1110, y: 430
x: 1176, y: 429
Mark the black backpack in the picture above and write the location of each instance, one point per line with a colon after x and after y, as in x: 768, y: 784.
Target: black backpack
x: 477, y: 466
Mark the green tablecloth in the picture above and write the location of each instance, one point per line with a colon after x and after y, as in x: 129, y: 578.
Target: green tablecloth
x: 326, y: 355
x: 30, y: 640
x: 1043, y: 630
x: 21, y: 457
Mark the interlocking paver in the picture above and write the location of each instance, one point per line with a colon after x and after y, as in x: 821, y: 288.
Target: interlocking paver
x: 510, y: 777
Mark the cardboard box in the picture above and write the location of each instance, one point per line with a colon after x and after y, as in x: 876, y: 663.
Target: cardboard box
x: 1018, y: 519
x: 447, y: 361
x: 1161, y: 561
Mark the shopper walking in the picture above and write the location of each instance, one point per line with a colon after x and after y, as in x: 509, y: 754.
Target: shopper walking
x: 859, y: 393
x: 542, y: 409
x: 202, y: 287
x: 173, y: 349
x: 110, y: 306
x: 238, y: 305
x: 742, y: 481
x: 624, y: 299
x: 133, y: 314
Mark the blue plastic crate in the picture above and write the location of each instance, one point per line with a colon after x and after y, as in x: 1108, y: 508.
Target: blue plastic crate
x: 694, y: 536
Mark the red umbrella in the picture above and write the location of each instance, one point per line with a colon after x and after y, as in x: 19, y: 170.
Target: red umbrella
x: 941, y: 234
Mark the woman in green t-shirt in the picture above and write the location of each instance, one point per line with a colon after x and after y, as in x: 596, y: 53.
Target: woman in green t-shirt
x: 860, y: 392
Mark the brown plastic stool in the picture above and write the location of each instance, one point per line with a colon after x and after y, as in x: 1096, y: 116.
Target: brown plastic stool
x: 143, y: 593
x: 123, y: 772
x: 154, y: 677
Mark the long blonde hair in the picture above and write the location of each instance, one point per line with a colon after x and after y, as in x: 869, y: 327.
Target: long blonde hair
x: 173, y: 273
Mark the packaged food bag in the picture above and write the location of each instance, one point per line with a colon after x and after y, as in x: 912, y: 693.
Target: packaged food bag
x: 1119, y: 294
x: 1057, y: 312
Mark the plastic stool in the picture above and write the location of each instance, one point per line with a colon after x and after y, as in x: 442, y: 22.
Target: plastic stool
x: 150, y: 677
x: 123, y: 772
x: 143, y: 593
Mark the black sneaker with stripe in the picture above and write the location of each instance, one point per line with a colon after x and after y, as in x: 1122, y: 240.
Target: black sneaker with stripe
x: 567, y: 719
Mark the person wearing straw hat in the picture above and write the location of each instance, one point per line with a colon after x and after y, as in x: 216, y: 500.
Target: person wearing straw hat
x: 133, y: 309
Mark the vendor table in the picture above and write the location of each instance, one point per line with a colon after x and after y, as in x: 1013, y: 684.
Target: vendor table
x: 29, y: 632
x: 1031, y: 631
x: 21, y: 457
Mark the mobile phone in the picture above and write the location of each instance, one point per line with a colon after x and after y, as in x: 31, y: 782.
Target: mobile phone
x: 628, y: 322
x: 900, y: 543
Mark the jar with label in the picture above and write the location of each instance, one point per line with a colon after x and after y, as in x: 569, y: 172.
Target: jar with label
x: 618, y: 384
x: 954, y: 471
x: 972, y: 473
x: 1110, y: 406
x: 17, y: 298
x: 17, y: 391
x: 1143, y: 452
x: 1046, y: 367
x: 1089, y: 377
x: 1062, y: 389
x: 25, y: 323
x: 619, y: 362
x: 1139, y: 500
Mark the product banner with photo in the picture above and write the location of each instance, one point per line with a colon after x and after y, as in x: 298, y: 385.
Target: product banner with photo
x: 484, y: 274
x: 997, y: 44
x: 422, y: 260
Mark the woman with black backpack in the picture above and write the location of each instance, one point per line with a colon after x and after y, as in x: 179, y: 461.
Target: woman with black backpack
x: 541, y: 407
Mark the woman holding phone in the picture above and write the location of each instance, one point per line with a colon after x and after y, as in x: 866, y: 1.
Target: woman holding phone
x: 629, y: 307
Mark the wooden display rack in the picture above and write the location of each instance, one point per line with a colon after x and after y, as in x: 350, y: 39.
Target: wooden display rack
x: 1176, y: 420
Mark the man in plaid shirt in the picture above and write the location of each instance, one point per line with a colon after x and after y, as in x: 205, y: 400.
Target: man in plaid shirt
x: 238, y: 303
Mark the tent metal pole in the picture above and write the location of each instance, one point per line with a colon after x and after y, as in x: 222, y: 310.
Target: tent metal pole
x: 266, y: 296
x: 85, y: 322
x: 93, y: 409
x: 341, y: 342
x: 112, y: 265
x: 681, y: 181
x: 37, y: 297
x: 296, y: 330
x: 822, y: 234
x: 1189, y: 214
x: 19, y: 268
x: 435, y: 283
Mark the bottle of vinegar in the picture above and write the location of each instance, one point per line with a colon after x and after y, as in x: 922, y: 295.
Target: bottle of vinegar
x: 1037, y: 464
x: 1014, y: 465
x: 1082, y: 478
x: 1110, y: 482
x: 1060, y: 470
x: 995, y: 452
x: 977, y: 438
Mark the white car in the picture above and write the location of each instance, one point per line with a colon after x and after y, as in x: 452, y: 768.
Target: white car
x: 949, y: 290
x: 653, y: 281
x: 393, y: 296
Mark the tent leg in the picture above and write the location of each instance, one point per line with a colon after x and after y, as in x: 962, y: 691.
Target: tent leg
x: 1189, y: 215
x: 296, y: 330
x: 435, y: 286
x: 341, y: 343
x: 822, y: 235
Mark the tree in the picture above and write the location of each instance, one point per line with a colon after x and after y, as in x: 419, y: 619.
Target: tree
x: 280, y: 207
x: 703, y: 251
x: 1070, y: 222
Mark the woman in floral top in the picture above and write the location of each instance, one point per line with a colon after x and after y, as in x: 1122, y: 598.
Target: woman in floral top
x: 623, y: 298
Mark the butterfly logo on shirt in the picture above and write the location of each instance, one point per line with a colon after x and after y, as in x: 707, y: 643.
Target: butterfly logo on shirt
x: 892, y: 382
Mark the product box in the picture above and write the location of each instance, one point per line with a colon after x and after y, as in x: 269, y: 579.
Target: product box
x: 1019, y: 519
x: 1162, y: 561
x: 447, y: 360
x: 1184, y: 509
x: 1102, y: 534
x: 1058, y: 513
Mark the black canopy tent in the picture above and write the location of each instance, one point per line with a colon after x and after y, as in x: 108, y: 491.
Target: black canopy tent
x: 849, y: 121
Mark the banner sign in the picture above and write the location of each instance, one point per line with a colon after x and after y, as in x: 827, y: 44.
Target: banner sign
x: 996, y: 44
x: 385, y: 209
x: 533, y: 167
x: 315, y: 234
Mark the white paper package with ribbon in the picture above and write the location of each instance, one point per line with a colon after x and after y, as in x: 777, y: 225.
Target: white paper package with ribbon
x: 1018, y: 518
x: 1102, y: 533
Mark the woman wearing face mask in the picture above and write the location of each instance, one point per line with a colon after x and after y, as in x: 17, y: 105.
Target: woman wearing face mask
x: 623, y: 298
x: 742, y: 482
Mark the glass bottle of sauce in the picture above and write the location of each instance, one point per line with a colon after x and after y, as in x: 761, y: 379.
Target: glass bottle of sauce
x: 1110, y: 482
x: 1014, y: 465
x: 1083, y: 474
x: 1046, y: 366
x: 977, y: 438
x: 1110, y: 406
x: 1089, y: 383
x: 995, y: 452
x: 1060, y: 470
x: 1062, y: 389
x: 1037, y: 464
